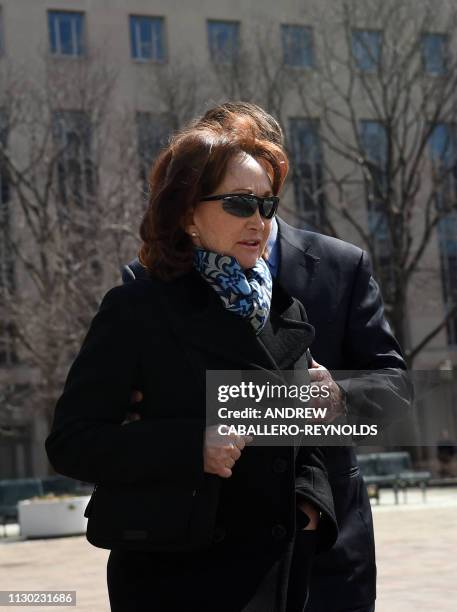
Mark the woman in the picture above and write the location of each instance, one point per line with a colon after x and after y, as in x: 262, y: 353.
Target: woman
x: 209, y: 304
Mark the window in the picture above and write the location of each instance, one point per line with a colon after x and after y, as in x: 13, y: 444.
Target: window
x: 366, y: 49
x: 306, y: 155
x: 147, y: 38
x: 443, y: 152
x: 297, y: 46
x: 374, y: 145
x: 223, y: 41
x: 66, y: 33
x: 373, y: 142
x: 153, y: 131
x: 75, y: 172
x: 434, y: 53
x: 447, y: 237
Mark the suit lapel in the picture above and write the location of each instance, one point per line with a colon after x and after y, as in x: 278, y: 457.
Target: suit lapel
x: 298, y: 266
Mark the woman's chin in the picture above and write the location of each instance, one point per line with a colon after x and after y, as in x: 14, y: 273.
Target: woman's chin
x: 247, y: 262
x: 246, y: 257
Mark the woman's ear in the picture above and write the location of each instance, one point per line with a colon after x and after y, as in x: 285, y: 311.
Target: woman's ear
x: 188, y: 224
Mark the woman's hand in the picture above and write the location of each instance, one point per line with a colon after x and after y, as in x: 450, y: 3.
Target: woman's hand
x: 222, y: 452
x: 311, y: 512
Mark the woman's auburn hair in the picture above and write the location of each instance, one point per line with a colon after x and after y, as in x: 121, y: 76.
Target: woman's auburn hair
x: 191, y: 167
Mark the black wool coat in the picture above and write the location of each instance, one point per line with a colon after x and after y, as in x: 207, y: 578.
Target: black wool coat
x: 333, y: 279
x: 161, y: 337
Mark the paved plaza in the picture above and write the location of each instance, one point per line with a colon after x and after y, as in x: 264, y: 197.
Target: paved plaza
x: 416, y: 550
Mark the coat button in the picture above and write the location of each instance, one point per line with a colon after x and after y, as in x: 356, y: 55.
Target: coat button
x: 279, y: 465
x: 219, y: 535
x: 278, y: 532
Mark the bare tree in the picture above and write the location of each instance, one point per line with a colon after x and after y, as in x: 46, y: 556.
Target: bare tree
x: 385, y: 94
x: 67, y: 162
x: 375, y: 105
x: 175, y: 90
x: 255, y: 71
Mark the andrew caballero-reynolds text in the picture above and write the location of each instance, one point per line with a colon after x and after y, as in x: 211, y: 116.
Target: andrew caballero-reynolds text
x: 237, y: 417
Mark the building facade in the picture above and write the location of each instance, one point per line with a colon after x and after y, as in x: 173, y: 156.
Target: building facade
x: 156, y: 64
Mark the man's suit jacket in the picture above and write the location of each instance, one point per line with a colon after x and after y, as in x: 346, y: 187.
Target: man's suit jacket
x: 162, y: 338
x: 333, y: 279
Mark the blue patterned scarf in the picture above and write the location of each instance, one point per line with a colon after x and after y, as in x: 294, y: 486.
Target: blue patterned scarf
x: 246, y: 293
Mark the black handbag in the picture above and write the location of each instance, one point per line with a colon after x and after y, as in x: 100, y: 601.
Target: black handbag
x: 153, y: 516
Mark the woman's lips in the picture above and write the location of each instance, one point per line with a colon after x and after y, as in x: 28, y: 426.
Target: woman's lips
x: 252, y: 245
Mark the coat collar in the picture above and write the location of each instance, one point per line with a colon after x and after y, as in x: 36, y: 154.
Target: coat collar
x: 197, y: 315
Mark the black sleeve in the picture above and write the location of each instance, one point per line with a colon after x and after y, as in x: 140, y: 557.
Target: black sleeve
x: 88, y: 441
x: 312, y: 485
x: 380, y: 388
x: 369, y: 343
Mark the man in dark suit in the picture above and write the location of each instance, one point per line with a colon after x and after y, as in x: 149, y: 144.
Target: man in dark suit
x: 333, y: 279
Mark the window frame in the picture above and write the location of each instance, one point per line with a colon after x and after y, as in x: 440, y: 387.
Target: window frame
x: 65, y: 123
x: 446, y: 255
x: 376, y: 215
x: 237, y: 28
x: 83, y: 41
x: 445, y: 37
x: 144, y: 166
x: 448, y: 267
x: 310, y: 30
x: 134, y: 42
x: 315, y: 219
x: 377, y: 221
x: 378, y: 63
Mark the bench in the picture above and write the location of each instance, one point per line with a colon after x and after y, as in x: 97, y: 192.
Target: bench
x: 15, y: 490
x: 391, y: 470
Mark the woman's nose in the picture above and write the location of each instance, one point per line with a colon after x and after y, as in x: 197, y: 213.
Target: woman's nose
x: 256, y: 220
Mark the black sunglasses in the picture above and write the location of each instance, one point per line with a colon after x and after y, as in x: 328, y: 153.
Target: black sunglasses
x: 246, y: 204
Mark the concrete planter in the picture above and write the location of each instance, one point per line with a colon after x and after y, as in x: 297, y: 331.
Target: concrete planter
x: 52, y: 517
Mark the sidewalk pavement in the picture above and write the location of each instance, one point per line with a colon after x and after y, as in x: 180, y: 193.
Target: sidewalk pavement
x: 416, y: 545
x: 416, y: 549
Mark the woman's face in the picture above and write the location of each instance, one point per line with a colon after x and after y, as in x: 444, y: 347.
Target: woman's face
x: 241, y: 237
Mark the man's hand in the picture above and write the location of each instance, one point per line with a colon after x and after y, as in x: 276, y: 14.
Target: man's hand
x: 335, y: 403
